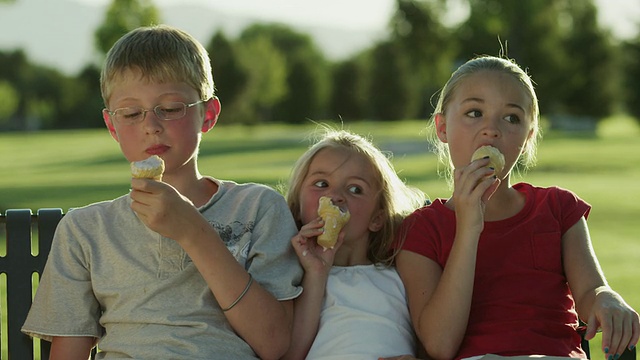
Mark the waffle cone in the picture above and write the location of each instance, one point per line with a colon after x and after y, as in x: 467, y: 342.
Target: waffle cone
x: 334, y: 220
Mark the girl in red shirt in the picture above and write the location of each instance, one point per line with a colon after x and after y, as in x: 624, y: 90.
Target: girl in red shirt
x: 500, y: 268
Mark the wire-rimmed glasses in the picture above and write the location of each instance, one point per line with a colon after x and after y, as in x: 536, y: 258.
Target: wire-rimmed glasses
x: 166, y: 111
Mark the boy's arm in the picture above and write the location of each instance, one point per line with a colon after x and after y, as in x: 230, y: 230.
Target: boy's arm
x: 257, y: 317
x: 71, y: 347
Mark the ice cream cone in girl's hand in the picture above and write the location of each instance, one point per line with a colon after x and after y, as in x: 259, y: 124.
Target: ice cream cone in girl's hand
x: 334, y: 220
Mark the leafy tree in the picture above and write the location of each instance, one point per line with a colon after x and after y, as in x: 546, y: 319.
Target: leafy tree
x: 558, y: 41
x: 631, y: 86
x: 123, y: 16
x: 392, y: 93
x: 83, y: 101
x: 529, y: 31
x: 38, y: 89
x: 12, y: 64
x: 417, y: 28
x: 307, y: 77
x: 9, y: 104
x: 348, y: 98
x: 49, y: 94
x: 266, y: 80
x: 589, y: 80
x: 229, y: 76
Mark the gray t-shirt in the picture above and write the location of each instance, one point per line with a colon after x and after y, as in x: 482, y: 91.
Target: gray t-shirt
x: 111, y: 277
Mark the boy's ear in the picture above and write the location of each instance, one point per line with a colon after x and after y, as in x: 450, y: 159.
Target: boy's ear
x: 441, y: 127
x: 107, y: 121
x: 377, y: 221
x: 212, y: 113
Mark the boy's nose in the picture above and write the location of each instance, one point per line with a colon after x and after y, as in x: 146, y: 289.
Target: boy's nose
x: 152, y: 124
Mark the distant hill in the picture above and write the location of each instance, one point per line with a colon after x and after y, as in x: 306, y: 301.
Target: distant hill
x: 59, y: 33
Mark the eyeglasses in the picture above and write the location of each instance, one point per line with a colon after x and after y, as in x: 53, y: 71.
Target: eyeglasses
x: 166, y: 111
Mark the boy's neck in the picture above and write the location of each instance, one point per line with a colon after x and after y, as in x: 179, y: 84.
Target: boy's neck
x: 198, y: 189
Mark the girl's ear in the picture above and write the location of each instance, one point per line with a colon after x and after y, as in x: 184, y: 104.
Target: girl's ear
x: 377, y: 221
x: 212, y: 113
x: 109, y: 123
x: 441, y: 127
x: 526, y: 141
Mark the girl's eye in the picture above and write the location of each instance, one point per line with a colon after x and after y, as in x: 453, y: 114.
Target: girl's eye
x: 474, y: 113
x: 513, y: 119
x: 355, y: 189
x: 320, y: 183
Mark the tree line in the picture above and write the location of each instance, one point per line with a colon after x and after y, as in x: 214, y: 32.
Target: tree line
x: 271, y: 72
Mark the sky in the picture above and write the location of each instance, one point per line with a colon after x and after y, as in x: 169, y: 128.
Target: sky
x: 354, y: 14
x: 58, y: 33
x: 620, y: 15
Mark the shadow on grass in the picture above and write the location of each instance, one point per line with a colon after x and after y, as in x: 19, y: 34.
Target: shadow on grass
x: 86, y: 163
x: 240, y: 147
x: 64, y: 197
x: 78, y: 195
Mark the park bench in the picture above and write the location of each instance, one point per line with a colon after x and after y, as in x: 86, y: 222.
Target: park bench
x: 28, y: 239
x: 18, y: 265
x: 23, y: 231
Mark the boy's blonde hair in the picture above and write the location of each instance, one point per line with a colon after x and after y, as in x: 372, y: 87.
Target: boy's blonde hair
x: 488, y: 63
x: 396, y: 199
x: 160, y: 54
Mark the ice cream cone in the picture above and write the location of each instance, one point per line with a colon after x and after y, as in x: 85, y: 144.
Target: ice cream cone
x: 496, y: 159
x: 150, y: 168
x: 334, y: 220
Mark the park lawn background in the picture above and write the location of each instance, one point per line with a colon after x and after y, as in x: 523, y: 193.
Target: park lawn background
x: 66, y: 169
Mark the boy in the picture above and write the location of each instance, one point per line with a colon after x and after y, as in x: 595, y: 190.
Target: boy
x: 167, y: 271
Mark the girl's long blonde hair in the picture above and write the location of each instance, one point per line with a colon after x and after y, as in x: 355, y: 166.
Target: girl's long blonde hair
x: 396, y: 199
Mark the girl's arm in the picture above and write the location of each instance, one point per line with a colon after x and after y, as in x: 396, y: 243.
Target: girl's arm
x: 596, y: 302
x: 71, y: 347
x: 317, y: 263
x: 440, y: 299
x: 306, y: 316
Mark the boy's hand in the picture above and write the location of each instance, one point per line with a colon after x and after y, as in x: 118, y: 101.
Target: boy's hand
x: 163, y: 209
x: 620, y: 324
x: 313, y: 257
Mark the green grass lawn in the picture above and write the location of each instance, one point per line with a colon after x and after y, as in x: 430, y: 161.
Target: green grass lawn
x: 68, y: 169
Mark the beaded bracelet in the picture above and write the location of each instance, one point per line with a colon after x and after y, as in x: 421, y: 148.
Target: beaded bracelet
x: 244, y: 292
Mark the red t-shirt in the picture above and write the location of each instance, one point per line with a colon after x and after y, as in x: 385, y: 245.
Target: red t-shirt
x: 521, y: 301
